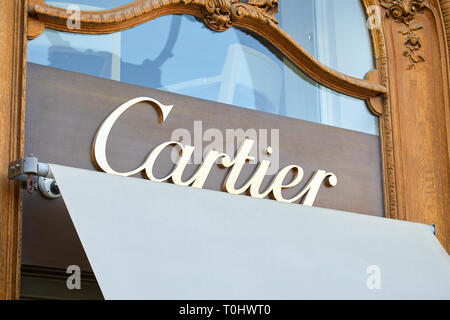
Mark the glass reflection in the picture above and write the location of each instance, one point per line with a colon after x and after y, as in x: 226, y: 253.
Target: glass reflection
x: 181, y: 55
x: 89, y: 4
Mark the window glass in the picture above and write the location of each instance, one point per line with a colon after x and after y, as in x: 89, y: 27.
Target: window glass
x: 89, y: 4
x: 178, y: 54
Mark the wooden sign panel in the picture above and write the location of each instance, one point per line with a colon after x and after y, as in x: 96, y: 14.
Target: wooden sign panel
x: 65, y: 110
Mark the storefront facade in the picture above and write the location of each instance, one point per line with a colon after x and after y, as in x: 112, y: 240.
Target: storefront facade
x: 387, y: 157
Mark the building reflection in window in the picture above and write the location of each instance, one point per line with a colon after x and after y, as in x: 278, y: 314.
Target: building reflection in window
x: 179, y: 54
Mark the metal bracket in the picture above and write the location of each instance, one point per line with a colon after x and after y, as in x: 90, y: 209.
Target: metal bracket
x: 37, y: 175
x: 434, y: 229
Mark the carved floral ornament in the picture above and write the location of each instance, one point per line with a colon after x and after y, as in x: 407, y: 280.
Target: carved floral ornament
x: 257, y: 16
x: 404, y: 11
x: 220, y: 14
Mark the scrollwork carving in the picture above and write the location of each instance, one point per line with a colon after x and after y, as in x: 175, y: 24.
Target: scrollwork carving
x: 262, y: 9
x: 257, y: 16
x: 386, y: 121
x: 403, y: 11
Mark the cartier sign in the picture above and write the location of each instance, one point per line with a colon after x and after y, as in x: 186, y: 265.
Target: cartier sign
x: 66, y: 111
x: 234, y: 165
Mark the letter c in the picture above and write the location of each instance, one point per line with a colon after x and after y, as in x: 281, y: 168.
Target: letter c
x: 101, y: 138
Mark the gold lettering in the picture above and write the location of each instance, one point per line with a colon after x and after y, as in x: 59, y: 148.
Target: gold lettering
x: 150, y: 162
x: 310, y: 190
x: 278, y: 186
x: 257, y: 179
x: 200, y: 176
x: 198, y: 179
x: 101, y: 138
x: 242, y: 156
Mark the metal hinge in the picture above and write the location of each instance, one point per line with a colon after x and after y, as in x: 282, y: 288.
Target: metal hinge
x: 434, y: 229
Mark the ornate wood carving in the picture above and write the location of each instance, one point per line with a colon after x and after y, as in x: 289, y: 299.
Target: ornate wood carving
x: 257, y: 16
x: 13, y: 27
x: 219, y: 15
x: 415, y: 119
x: 413, y: 44
x: 445, y: 9
x: 382, y: 107
x: 403, y: 11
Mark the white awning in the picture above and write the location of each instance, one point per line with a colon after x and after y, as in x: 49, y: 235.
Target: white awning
x: 149, y: 240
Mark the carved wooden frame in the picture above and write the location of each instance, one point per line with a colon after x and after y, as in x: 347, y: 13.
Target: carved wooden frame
x: 258, y: 16
x: 404, y: 19
x: 383, y: 89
